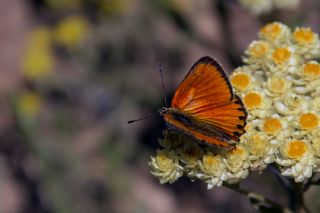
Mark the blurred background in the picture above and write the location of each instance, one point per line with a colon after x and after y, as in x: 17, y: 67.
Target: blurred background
x: 73, y: 72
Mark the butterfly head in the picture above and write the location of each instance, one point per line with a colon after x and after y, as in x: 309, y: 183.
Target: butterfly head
x: 165, y: 110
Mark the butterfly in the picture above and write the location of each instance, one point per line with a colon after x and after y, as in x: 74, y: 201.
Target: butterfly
x: 205, y: 108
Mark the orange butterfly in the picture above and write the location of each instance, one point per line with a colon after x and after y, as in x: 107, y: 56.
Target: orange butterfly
x: 205, y: 108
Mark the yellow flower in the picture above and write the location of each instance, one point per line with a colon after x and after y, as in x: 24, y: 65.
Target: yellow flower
x: 308, y: 121
x: 237, y: 163
x: 253, y: 100
x: 311, y: 70
x: 271, y: 31
x: 272, y: 126
x: 275, y: 32
x: 278, y: 84
x: 38, y: 60
x: 256, y: 103
x: 257, y: 144
x: 166, y: 166
x: 213, y: 170
x: 29, y: 104
x: 212, y: 164
x: 290, y: 104
x: 304, y: 36
x: 281, y: 55
x: 71, y: 31
x: 295, y: 149
x: 261, y: 150
x: 241, y: 80
x: 258, y: 49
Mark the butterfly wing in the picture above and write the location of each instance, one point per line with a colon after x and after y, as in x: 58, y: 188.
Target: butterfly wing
x: 205, y: 97
x: 206, y: 83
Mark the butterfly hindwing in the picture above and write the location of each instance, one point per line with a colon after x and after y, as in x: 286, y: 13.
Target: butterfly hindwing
x: 229, y: 118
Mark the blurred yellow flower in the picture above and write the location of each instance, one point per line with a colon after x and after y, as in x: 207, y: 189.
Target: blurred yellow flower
x: 38, y: 60
x: 71, y: 31
x: 28, y: 104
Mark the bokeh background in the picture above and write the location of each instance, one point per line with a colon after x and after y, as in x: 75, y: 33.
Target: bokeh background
x: 73, y: 72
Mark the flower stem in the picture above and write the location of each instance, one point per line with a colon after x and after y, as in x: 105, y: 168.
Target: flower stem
x: 257, y: 200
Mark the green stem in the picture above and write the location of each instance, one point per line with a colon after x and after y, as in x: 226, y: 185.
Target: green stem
x: 258, y: 200
x: 299, y: 191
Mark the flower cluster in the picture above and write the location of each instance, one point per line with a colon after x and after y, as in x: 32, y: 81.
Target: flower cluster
x: 278, y: 86
x: 263, y: 6
x: 39, y: 60
x: 280, y: 90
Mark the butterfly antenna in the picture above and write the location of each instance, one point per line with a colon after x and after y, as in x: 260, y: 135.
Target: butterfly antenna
x: 140, y: 119
x: 163, y: 87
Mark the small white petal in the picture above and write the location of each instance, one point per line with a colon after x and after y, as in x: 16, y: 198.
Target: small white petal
x: 307, y: 172
x: 287, y: 172
x: 298, y: 167
x: 300, y: 178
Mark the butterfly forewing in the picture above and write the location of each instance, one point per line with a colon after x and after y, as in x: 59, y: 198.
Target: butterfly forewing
x: 205, y: 84
x: 206, y: 107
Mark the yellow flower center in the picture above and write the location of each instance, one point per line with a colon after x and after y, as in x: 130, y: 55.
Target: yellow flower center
x: 237, y: 151
x: 281, y: 55
x: 271, y: 31
x: 272, y: 126
x: 312, y: 70
x: 258, y: 145
x: 277, y: 84
x: 258, y: 49
x: 212, y: 163
x: 296, y: 149
x: 164, y: 162
x: 241, y: 81
x: 253, y: 100
x: 308, y: 121
x: 236, y: 158
x: 304, y: 36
